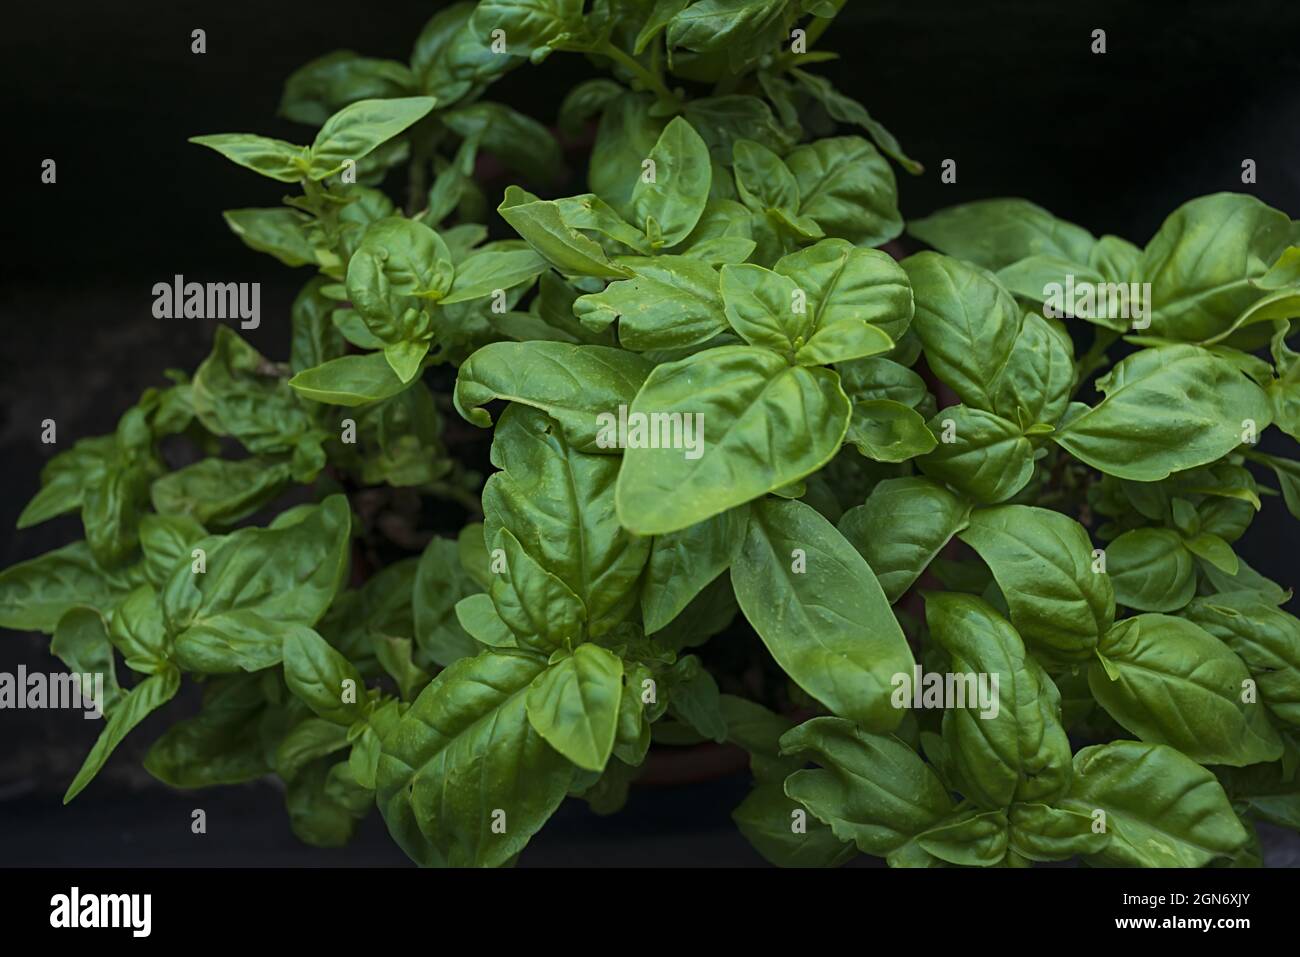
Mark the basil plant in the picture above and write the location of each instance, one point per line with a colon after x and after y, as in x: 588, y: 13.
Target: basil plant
x: 753, y: 481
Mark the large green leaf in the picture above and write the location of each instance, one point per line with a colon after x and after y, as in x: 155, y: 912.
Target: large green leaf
x: 35, y: 594
x: 765, y: 424
x: 968, y: 325
x: 572, y: 384
x: 819, y: 609
x: 1159, y: 808
x: 872, y: 789
x: 848, y: 188
x: 1265, y: 637
x: 233, y: 615
x: 1016, y: 748
x: 1171, y: 682
x: 672, y: 302
x: 464, y: 779
x: 994, y: 233
x: 767, y: 818
x: 668, y: 204
x: 1202, y: 262
x: 355, y: 130
x: 980, y: 454
x: 1165, y: 410
x: 847, y: 284
x: 559, y: 504
x: 1043, y: 563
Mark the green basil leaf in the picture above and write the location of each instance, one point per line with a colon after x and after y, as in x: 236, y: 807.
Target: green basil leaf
x: 1035, y: 384
x: 672, y: 302
x: 994, y: 233
x: 440, y: 582
x: 769, y: 821
x: 1201, y: 263
x: 319, y: 88
x: 819, y: 609
x: 167, y: 541
x: 541, y: 610
x: 463, y: 757
x: 968, y: 838
x: 574, y: 705
x: 315, y: 338
x: 846, y: 285
x: 572, y: 384
x: 483, y: 273
x: 238, y: 392
x: 967, y: 323
x: 903, y: 525
x: 1043, y: 562
x: 1158, y: 807
x: 1265, y: 637
x: 1171, y: 682
x: 1040, y: 832
x: 138, y: 631
x: 81, y: 642
x: 1165, y: 410
x: 673, y: 196
x: 1151, y: 570
x: 774, y: 424
x: 270, y: 157
x: 478, y: 616
x: 233, y: 615
x: 322, y: 678
x: 451, y: 58
x: 762, y: 179
x: 559, y: 504
x: 349, y: 380
x: 530, y: 26
x: 1011, y: 749
x: 682, y: 563
x: 278, y: 231
x: 220, y: 491
x: 355, y: 130
x: 149, y: 695
x: 888, y: 431
x: 542, y: 225
x: 36, y: 593
x: 765, y: 308
x: 693, y: 699
x: 848, y: 188
x: 220, y: 744
x: 872, y: 789
x: 980, y: 454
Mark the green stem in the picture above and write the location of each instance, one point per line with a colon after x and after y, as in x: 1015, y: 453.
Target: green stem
x: 1095, y: 357
x: 652, y: 81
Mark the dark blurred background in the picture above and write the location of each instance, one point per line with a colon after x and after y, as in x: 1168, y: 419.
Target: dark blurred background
x: 1008, y: 88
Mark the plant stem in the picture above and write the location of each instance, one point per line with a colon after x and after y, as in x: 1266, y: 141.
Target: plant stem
x: 652, y: 81
x: 1095, y: 357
